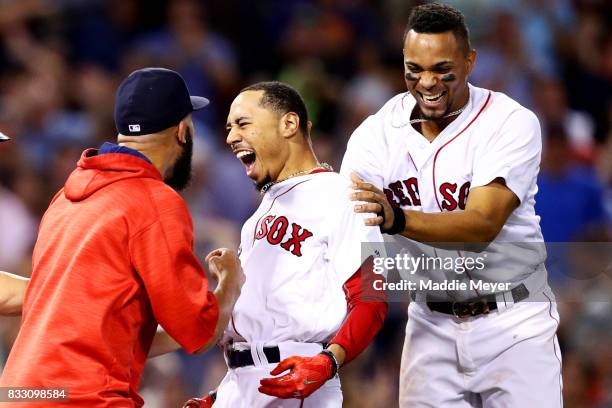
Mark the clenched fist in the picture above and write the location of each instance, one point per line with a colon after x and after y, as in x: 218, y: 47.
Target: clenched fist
x: 224, y: 264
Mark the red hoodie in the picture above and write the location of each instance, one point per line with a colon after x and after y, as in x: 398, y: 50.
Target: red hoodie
x: 114, y: 257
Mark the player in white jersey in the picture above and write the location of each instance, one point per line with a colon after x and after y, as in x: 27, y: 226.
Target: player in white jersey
x: 303, y: 303
x: 450, y: 162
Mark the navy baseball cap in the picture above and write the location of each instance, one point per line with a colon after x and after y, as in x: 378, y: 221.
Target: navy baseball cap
x: 150, y: 100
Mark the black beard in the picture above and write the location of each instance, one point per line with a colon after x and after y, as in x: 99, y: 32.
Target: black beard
x: 435, y: 117
x: 181, y: 172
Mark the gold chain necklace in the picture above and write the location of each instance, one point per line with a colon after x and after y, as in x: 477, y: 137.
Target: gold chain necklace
x: 267, y: 186
x: 455, y: 113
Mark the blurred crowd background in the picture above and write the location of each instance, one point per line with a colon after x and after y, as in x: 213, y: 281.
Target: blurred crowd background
x: 61, y: 61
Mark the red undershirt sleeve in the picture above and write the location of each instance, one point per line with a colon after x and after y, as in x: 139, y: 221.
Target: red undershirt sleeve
x: 367, y: 309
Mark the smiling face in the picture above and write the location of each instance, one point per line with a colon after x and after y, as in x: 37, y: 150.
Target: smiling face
x: 436, y: 68
x: 254, y: 135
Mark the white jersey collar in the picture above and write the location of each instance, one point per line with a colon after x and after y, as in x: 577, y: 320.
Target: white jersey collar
x: 285, y: 185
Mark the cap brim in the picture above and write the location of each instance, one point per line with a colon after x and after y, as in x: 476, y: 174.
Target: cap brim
x: 4, y: 138
x: 198, y: 102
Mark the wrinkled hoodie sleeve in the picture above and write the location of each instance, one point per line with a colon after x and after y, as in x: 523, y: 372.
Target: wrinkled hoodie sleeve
x: 162, y: 255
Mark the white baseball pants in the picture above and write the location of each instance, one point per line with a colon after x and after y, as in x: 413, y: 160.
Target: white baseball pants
x: 509, y: 358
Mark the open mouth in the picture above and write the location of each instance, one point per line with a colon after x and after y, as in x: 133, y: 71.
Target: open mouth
x: 247, y: 157
x: 432, y: 100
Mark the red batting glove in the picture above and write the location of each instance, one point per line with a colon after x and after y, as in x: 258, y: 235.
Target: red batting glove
x: 206, y: 402
x: 306, y: 375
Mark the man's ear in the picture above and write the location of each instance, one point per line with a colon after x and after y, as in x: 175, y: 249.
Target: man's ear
x: 289, y: 124
x: 181, y: 131
x: 470, y: 61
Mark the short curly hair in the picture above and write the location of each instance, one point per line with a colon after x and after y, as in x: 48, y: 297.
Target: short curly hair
x: 282, y: 98
x: 435, y: 18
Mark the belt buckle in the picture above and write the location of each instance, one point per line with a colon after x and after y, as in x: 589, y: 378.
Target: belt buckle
x: 459, y: 313
x: 467, y: 309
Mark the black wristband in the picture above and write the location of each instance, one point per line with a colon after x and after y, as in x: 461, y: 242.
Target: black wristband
x: 213, y: 395
x: 399, y: 222
x: 332, y: 357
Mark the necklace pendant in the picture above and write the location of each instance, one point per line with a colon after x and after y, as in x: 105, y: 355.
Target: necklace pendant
x: 265, y: 188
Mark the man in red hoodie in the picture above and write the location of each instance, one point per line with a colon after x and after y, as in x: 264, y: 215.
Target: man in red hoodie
x: 114, y: 257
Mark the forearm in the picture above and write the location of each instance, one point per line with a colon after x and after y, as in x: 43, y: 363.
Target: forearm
x: 487, y: 210
x: 162, y: 343
x: 226, y: 295
x: 367, y: 309
x: 12, y: 293
x: 361, y: 326
x: 456, y: 226
x: 226, y: 298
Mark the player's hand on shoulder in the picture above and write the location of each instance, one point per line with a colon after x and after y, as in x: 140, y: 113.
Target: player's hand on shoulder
x: 305, y: 376
x: 224, y: 265
x: 374, y: 201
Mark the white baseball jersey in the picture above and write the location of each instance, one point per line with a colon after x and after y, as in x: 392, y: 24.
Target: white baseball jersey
x: 493, y: 137
x: 510, y: 356
x: 297, y: 251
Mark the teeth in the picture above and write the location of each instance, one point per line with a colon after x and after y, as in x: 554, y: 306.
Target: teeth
x: 242, y: 154
x: 430, y: 98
